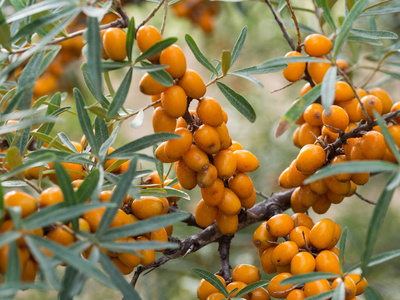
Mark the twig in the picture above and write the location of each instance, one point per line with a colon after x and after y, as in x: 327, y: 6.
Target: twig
x: 364, y: 199
x: 282, y: 88
x: 298, y: 47
x: 281, y: 25
x: 150, y: 15
x: 224, y: 245
x: 164, y: 17
x: 259, y: 193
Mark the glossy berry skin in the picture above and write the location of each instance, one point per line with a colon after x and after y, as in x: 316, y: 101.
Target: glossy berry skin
x: 174, y: 57
x: 294, y: 71
x: 246, y: 273
x: 114, y: 43
x: 280, y: 225
x: 317, y: 45
x: 146, y: 37
x: 279, y: 291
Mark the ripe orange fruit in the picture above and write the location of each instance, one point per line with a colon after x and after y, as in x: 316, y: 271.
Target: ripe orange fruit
x: 230, y: 203
x: 148, y: 256
x: 186, y: 176
x: 61, y: 236
x: 336, y: 118
x: 205, y: 214
x: 241, y: 185
x: 196, y: 159
x: 396, y: 106
x: 300, y: 235
x: 313, y: 114
x: 322, y: 205
x: 343, y: 91
x: 310, y: 158
x: 301, y: 219
x: 316, y: 287
x: 114, y: 43
x: 371, y: 103
x: 149, y: 206
x: 224, y: 137
x: 373, y: 145
x: 265, y: 259
x: 174, y: 101
x: 284, y: 253
x: 162, y: 122
x: 308, y: 134
x: 262, y: 238
x: 279, y: 291
x: 246, y: 273
x: 226, y: 163
x: 295, y: 177
x: 351, y: 108
x: 317, y: 45
x: 146, y: 37
x: 177, y: 147
x: 317, y: 70
x: 327, y: 261
x: 214, y: 193
x: 384, y: 97
x: 205, y: 288
x: 161, y: 156
x: 361, y: 283
x: 207, y: 139
x: 280, y: 225
x: 193, y: 84
x: 294, y: 71
x: 246, y: 161
x: 322, y: 233
x: 227, y: 224
x: 24, y: 201
x: 174, y: 57
x: 301, y: 263
x: 237, y: 285
x: 207, y: 177
x: 260, y: 294
x: 210, y: 112
x: 50, y: 196
x: 149, y: 86
x: 349, y: 286
x: 342, y: 64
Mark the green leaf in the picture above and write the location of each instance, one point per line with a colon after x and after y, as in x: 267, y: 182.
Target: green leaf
x: 238, y: 101
x: 49, y: 139
x: 130, y: 38
x: 388, y: 138
x: 323, y: 295
x: 75, y: 260
x: 55, y: 100
x: 342, y: 247
x: 144, y: 226
x: 13, y: 263
x: 211, y: 278
x: 14, y: 158
x: 43, y: 261
x: 277, y: 64
x: 353, y: 167
x: 164, y: 192
x: 251, y: 287
x: 156, y: 48
x: 238, y: 45
x: 64, y: 181
x: 384, y: 11
x: 27, y: 123
x: 100, y: 98
x: 84, y: 120
x: 87, y: 187
x: 340, y: 292
x: 5, y: 32
x: 328, y: 88
x: 199, y: 55
x: 374, y: 226
x: 101, y: 135
x: 226, y: 61
x: 142, y: 143
x: 130, y: 247
x: 120, y: 95
x: 127, y: 290
x: 94, y: 48
x: 250, y: 78
x: 327, y: 14
x: 117, y: 198
x: 107, y: 66
x: 8, y: 237
x: 70, y: 277
x: 377, y: 259
x: 347, y: 25
x: 375, y: 34
x: 359, y: 39
x: 372, y: 294
x: 161, y: 76
x: 38, y: 161
x: 308, y: 277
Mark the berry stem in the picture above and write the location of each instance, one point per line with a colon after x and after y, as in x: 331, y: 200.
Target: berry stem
x: 150, y: 15
x: 298, y: 46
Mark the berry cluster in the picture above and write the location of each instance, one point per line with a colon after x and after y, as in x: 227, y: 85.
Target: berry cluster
x: 199, y: 12
x: 308, y: 247
x: 204, y: 155
x: 242, y: 275
x: 319, y: 127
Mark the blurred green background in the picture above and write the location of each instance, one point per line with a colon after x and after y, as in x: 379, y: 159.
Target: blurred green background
x: 175, y: 280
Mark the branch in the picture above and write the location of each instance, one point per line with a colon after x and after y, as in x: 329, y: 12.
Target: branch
x: 151, y: 14
x: 298, y: 46
x: 262, y: 211
x: 224, y: 245
x: 281, y: 25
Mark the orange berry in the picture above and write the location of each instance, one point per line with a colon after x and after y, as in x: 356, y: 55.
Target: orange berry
x: 174, y: 101
x: 370, y: 103
x: 174, y: 57
x: 61, y: 236
x: 213, y: 194
x: 338, y: 160
x: 205, y: 214
x: 342, y: 64
x: 265, y: 258
x: 131, y: 260
x: 103, y: 51
x: 246, y: 273
x: 149, y: 206
x: 207, y: 139
x: 343, y: 91
x: 360, y: 178
x: 301, y: 263
x: 226, y: 163
x: 207, y: 177
x: 313, y: 114
x: 283, y: 253
x: 186, y: 176
x: 295, y: 177
x: 396, y: 106
x: 224, y: 137
x: 295, y: 203
x: 196, y: 159
x: 334, y: 198
x: 192, y: 84
x: 317, y: 45
x: 327, y: 261
x: 284, y: 179
x: 227, y: 224
x: 373, y: 145
x: 238, y: 286
x: 361, y: 283
x: 300, y: 235
x: 50, y: 196
x: 351, y: 108
x: 230, y: 203
x: 301, y: 219
x: 146, y: 37
x: 305, y: 89
x: 260, y: 294
x: 29, y: 271
x: 306, y: 196
x: 317, y: 70
x: 308, y: 134
x: 322, y: 205
x: 275, y: 289
x: 161, y: 156
x: 249, y: 201
x: 209, y: 111
x: 349, y: 286
x: 336, y: 186
x: 114, y: 43
x: 175, y: 148
x: 216, y: 295
x: 316, y: 287
x: 336, y: 118
x: 310, y: 159
x: 241, y: 185
x: 149, y: 86
x: 384, y: 97
x: 280, y: 225
x: 294, y: 71
x: 319, y: 187
x: 24, y: 201
x: 246, y: 161
x: 322, y: 233
x: 262, y: 238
